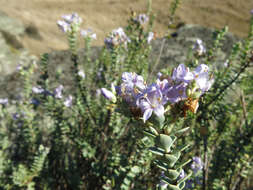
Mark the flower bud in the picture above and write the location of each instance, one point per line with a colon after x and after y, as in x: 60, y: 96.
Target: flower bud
x: 108, y: 95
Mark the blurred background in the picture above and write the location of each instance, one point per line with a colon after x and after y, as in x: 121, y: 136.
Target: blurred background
x: 41, y: 34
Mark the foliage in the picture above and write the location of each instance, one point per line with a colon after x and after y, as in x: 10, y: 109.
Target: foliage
x: 62, y: 137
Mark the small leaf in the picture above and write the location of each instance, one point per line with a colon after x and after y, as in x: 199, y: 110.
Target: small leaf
x: 172, y: 174
x: 165, y: 142
x: 148, y: 133
x: 182, y: 130
x: 183, y: 164
x: 161, y: 165
x: 157, y: 151
x: 171, y: 159
x: 153, y: 130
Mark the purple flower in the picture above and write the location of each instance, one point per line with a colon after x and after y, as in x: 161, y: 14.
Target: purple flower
x: 131, y: 88
x: 65, y: 27
x: 69, y: 21
x: 72, y: 18
x: 58, y: 92
x: 199, y: 47
x: 4, y: 101
x: 177, y: 92
x: 226, y: 63
x: 108, y: 95
x: 197, y: 164
x: 182, y: 74
x: 88, y: 34
x: 251, y: 12
x: 68, y: 101
x: 116, y: 37
x: 151, y: 101
x: 132, y: 80
x: 141, y: 18
x: 202, y: 78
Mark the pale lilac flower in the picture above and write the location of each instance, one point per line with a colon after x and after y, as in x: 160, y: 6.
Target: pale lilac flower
x: 199, y: 47
x: 131, y: 87
x: 159, y: 75
x: 150, y: 37
x: 226, y: 63
x: 142, y: 19
x: 4, y: 101
x: 151, y: 101
x: 81, y: 74
x: 58, y: 92
x: 202, y: 78
x: 132, y: 80
x: 68, y: 101
x: 182, y: 74
x: 197, y: 164
x: 69, y: 21
x: 65, y: 27
x: 19, y: 67
x: 176, y: 93
x: 88, y: 34
x: 72, y: 18
x: 108, y: 95
x: 37, y: 90
x: 116, y: 37
x: 251, y: 12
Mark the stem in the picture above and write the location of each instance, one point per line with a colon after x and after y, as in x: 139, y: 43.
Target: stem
x: 224, y: 88
x: 205, y: 168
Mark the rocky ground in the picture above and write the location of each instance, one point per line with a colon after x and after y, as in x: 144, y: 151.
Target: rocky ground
x: 42, y: 35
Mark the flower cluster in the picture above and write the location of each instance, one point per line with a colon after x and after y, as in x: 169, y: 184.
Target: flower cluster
x: 58, y: 94
x: 116, y: 37
x: 197, y: 164
x: 69, y: 21
x: 153, y: 98
x: 142, y: 19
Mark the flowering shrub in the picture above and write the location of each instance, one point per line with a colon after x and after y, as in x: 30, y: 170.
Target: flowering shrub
x: 117, y: 126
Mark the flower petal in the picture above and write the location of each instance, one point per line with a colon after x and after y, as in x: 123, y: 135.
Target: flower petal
x: 147, y: 114
x: 159, y: 110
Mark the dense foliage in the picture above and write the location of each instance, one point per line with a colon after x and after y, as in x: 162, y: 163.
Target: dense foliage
x: 58, y: 136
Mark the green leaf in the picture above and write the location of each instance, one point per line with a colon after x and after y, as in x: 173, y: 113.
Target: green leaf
x: 172, y: 174
x: 165, y: 142
x: 171, y: 159
x: 157, y: 151
x: 182, y: 130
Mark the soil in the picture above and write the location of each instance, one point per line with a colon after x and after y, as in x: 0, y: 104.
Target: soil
x: 104, y: 15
